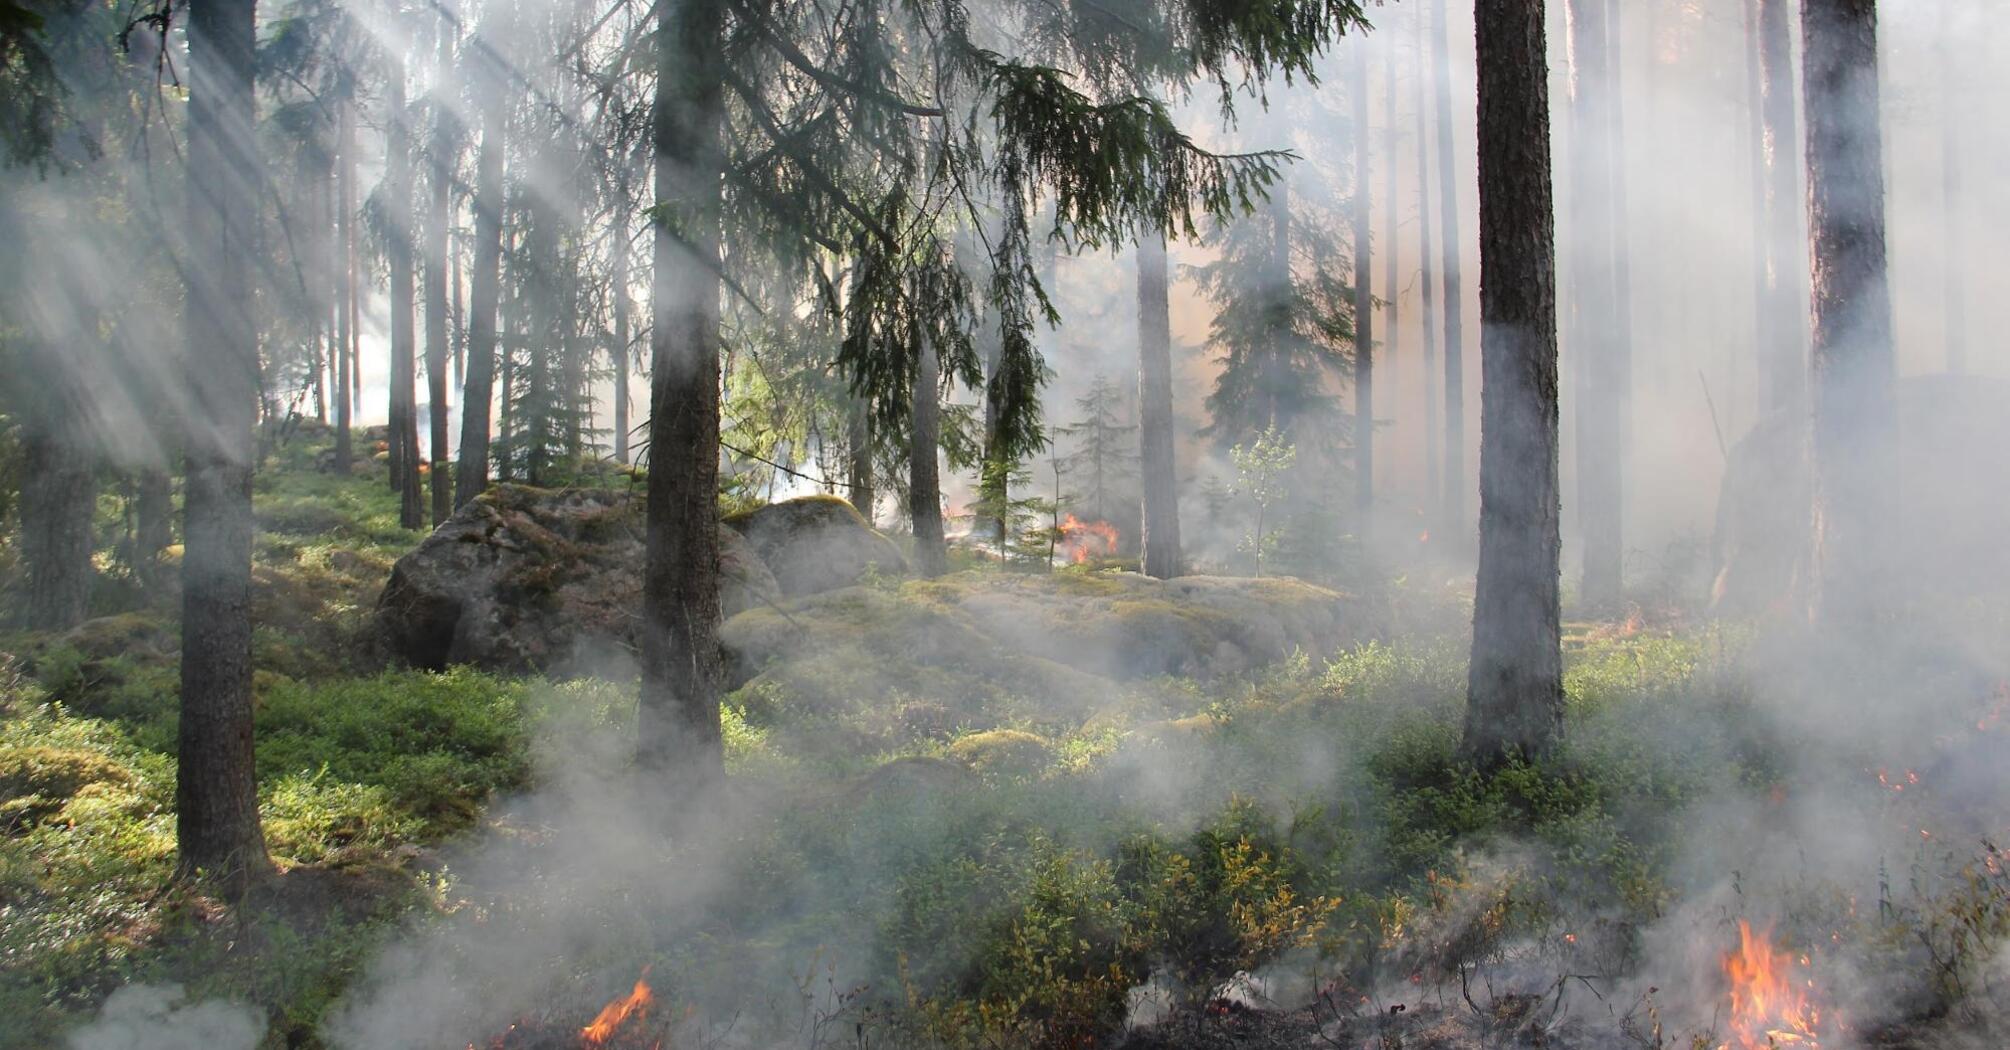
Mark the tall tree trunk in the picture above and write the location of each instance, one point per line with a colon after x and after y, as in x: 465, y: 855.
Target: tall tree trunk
x: 1954, y: 282
x: 1427, y: 280
x: 1392, y: 239
x: 1159, y: 547
x: 619, y: 357
x: 439, y: 183
x: 677, y: 723
x: 1276, y: 372
x: 1762, y: 337
x: 485, y: 291
x: 58, y: 499
x: 858, y: 465
x: 1364, y: 295
x: 345, y: 264
x: 216, y: 788
x: 924, y: 483
x: 1597, y: 350
x: 1514, y: 692
x: 404, y: 344
x: 994, y: 483
x: 459, y: 332
x: 1855, y: 420
x: 1455, y: 338
x: 1786, y: 365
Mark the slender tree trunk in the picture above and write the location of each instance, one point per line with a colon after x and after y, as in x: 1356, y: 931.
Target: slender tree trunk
x: 1364, y: 296
x: 678, y: 734
x: 345, y: 298
x: 1392, y: 239
x: 1855, y: 421
x: 472, y: 473
x: 216, y: 788
x: 620, y: 355
x: 1276, y: 373
x: 1954, y: 283
x: 404, y: 343
x: 1597, y: 350
x: 1455, y: 364
x: 58, y: 500
x: 1514, y: 699
x: 858, y: 467
x: 1427, y: 281
x: 994, y: 485
x: 924, y: 484
x: 459, y: 331
x: 439, y: 181
x: 1755, y: 90
x: 1159, y: 546
x: 1786, y: 365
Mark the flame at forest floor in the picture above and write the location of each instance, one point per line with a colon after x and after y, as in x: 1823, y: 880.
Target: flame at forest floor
x: 1773, y: 996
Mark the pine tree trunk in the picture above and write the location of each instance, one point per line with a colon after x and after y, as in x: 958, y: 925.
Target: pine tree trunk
x: 618, y: 357
x: 1159, y: 546
x: 924, y: 483
x: 1391, y: 238
x: 1855, y: 421
x: 1364, y: 296
x: 439, y: 184
x: 404, y: 343
x: 1455, y: 526
x: 484, y: 293
x: 1952, y: 231
x: 58, y: 501
x: 1427, y: 282
x: 677, y: 724
x: 994, y: 484
x: 216, y: 789
x: 459, y: 337
x: 1514, y: 699
x: 1597, y: 350
x: 1786, y: 364
x: 858, y: 466
x: 345, y: 298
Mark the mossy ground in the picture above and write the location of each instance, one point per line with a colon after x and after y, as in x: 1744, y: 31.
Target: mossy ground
x: 981, y: 865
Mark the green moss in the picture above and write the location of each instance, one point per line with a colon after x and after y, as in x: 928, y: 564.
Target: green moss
x: 1003, y: 753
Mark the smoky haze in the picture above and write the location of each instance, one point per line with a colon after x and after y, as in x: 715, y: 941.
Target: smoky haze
x: 541, y: 912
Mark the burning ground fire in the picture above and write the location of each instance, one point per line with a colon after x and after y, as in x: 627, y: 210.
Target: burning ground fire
x: 1081, y: 540
x: 1772, y: 999
x: 620, y: 1025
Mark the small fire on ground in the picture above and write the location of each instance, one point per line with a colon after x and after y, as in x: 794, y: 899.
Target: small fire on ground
x: 1773, y: 1001
x: 1081, y: 540
x: 620, y: 1025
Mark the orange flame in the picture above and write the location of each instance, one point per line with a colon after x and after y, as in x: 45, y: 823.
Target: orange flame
x: 1084, y: 540
x: 616, y: 1013
x: 1769, y: 1006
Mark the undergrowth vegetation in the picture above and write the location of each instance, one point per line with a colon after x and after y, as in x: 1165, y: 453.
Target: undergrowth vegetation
x: 937, y: 870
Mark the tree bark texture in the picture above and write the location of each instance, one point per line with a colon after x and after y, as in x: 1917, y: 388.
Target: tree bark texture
x: 440, y: 202
x: 1514, y: 698
x: 1159, y: 544
x: 58, y: 500
x: 404, y: 408
x: 1855, y: 420
x: 345, y: 299
x: 217, y: 830
x: 924, y: 480
x: 678, y: 735
x: 484, y: 293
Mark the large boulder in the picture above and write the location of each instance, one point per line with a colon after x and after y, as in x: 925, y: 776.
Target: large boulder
x: 530, y: 579
x: 1951, y: 503
x: 986, y: 646
x: 817, y: 543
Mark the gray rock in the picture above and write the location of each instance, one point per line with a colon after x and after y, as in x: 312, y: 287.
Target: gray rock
x: 526, y: 579
x: 817, y: 543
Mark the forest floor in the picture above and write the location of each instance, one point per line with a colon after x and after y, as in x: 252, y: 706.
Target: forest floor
x: 1292, y: 856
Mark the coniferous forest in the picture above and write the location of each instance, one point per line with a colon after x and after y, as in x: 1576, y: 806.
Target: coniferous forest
x: 967, y: 524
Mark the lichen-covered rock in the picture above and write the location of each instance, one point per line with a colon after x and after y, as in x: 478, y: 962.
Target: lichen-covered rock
x: 817, y: 543
x: 1951, y: 505
x: 990, y: 649
x: 537, y: 579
